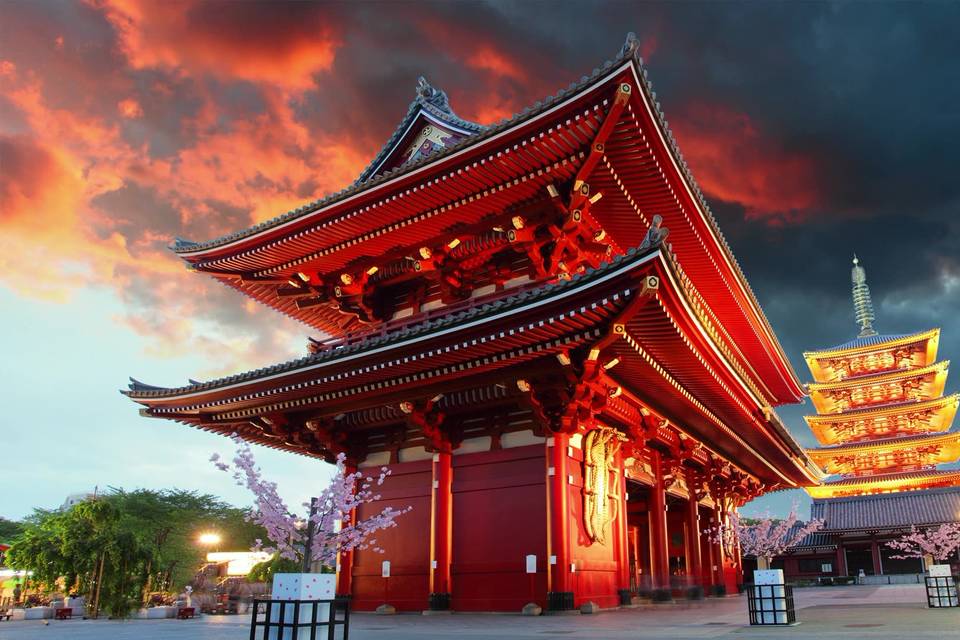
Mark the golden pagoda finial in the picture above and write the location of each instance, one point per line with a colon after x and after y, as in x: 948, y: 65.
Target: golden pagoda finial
x: 862, y: 303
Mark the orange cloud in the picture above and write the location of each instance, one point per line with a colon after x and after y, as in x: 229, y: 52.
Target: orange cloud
x: 130, y: 108
x: 229, y: 41
x: 735, y: 162
x: 486, y: 58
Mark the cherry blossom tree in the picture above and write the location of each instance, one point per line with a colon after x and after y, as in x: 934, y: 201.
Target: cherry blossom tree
x: 334, y: 528
x: 764, y: 538
x: 941, y: 542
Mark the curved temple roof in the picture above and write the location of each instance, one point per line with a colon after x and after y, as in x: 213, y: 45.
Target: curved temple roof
x: 347, y: 221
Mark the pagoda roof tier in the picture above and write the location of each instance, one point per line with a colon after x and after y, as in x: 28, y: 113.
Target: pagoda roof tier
x: 867, y: 344
x: 833, y: 364
x: 604, y: 137
x: 891, y: 388
x: 908, y: 418
x: 886, y: 483
x: 919, y: 450
x: 639, y: 313
x: 888, y: 511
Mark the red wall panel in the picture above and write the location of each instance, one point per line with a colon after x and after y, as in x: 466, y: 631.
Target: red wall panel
x: 499, y: 517
x: 596, y: 576
x: 406, y: 546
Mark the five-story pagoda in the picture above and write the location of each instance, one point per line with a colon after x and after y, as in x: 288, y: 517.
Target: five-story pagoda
x: 881, y: 412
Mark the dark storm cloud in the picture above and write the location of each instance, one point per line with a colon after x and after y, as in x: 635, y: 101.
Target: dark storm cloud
x: 816, y: 129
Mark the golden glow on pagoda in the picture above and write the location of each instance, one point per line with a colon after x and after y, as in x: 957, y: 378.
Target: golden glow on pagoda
x: 881, y: 412
x: 930, y: 416
x: 896, y: 352
x: 912, y: 385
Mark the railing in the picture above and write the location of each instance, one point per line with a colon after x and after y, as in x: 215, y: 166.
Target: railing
x: 300, y: 619
x: 770, y: 604
x: 942, y: 591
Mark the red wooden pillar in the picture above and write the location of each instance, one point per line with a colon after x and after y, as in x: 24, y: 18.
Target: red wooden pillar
x: 718, y: 559
x: 623, y: 555
x: 877, y: 562
x: 695, y: 569
x: 442, y: 533
x: 660, y: 559
x: 561, y: 592
x: 345, y: 576
x: 841, y: 559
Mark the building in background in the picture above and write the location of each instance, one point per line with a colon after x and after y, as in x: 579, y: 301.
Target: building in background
x: 568, y: 401
x: 885, y: 427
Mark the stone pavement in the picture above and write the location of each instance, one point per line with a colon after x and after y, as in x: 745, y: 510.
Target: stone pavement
x: 892, y: 612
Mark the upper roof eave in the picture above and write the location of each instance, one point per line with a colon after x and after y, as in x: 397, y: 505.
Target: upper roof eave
x: 904, y: 441
x: 142, y: 392
x: 628, y: 57
x: 892, y: 341
x: 898, y: 374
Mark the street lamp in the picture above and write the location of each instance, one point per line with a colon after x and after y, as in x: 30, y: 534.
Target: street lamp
x: 209, y: 539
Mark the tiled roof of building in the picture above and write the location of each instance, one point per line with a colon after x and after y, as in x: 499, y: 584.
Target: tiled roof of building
x: 924, y: 507
x: 815, y: 540
x: 884, y: 443
x: 872, y: 341
x: 139, y: 389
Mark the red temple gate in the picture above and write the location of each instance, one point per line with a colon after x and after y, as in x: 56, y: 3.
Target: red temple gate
x: 512, y: 335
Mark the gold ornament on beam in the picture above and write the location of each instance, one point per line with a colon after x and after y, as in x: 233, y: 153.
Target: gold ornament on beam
x: 599, y: 452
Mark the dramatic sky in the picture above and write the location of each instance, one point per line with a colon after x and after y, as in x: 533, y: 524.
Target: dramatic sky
x: 816, y: 130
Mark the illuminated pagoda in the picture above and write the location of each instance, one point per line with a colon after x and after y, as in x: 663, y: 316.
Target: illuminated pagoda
x: 884, y: 424
x: 881, y: 412
x: 504, y: 324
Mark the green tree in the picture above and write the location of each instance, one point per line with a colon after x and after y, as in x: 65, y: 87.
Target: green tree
x: 263, y: 571
x: 9, y: 529
x: 145, y: 540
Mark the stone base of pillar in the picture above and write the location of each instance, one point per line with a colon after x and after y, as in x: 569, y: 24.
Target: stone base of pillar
x: 439, y: 602
x: 560, y: 601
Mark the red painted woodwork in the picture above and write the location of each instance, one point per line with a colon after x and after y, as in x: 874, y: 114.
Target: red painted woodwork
x: 463, y: 296
x: 559, y: 517
x: 345, y: 568
x: 407, y: 547
x: 659, y: 560
x: 693, y: 539
x: 499, y: 517
x: 597, y: 575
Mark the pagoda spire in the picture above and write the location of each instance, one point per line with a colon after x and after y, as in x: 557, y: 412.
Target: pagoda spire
x: 862, y: 303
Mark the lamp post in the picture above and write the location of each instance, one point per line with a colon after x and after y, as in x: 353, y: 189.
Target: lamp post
x: 210, y: 539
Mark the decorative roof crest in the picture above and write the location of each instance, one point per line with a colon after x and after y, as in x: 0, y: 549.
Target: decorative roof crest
x: 431, y: 95
x: 631, y: 47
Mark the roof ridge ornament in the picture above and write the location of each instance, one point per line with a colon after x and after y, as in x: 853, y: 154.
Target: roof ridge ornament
x: 862, y: 302
x: 426, y: 92
x: 656, y: 234
x: 631, y: 47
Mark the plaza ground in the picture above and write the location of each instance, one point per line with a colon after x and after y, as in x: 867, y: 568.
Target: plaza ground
x: 881, y: 612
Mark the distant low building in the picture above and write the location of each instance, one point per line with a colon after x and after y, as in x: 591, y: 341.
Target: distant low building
x: 74, y: 499
x: 236, y: 563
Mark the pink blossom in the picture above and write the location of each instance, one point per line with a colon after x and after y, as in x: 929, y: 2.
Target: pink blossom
x: 334, y: 527
x: 941, y: 542
x: 764, y: 539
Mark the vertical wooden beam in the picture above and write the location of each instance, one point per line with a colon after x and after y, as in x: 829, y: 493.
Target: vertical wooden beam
x: 841, y: 559
x: 694, y: 566
x: 345, y: 576
x: 718, y: 559
x: 623, y: 556
x: 660, y: 559
x: 442, y: 533
x: 875, y: 554
x: 561, y: 596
